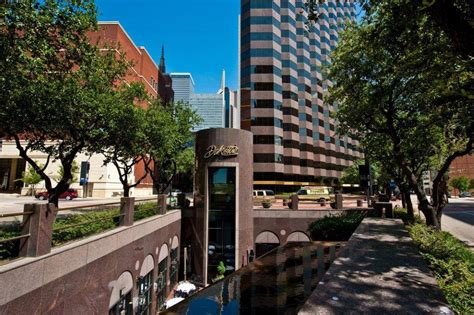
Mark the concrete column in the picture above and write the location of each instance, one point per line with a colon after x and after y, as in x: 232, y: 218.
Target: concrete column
x: 127, y: 208
x: 40, y: 227
x: 339, y: 201
x: 12, y: 175
x: 162, y: 204
x: 294, y: 202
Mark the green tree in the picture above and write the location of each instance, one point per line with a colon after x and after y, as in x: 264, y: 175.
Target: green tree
x: 460, y: 183
x: 125, y: 146
x: 185, y: 169
x: 471, y: 183
x: 31, y: 177
x: 401, y: 91
x: 350, y: 175
x: 55, y: 87
x: 168, y: 132
x: 452, y: 17
x: 74, y: 173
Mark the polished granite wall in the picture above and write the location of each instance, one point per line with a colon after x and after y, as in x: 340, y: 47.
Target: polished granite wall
x: 243, y: 162
x: 79, y: 278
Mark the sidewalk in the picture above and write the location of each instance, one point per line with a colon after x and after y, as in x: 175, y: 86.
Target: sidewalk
x: 379, y: 272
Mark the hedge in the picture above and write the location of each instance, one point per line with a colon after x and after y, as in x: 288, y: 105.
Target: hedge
x: 451, y: 261
x: 335, y: 227
x: 95, y: 222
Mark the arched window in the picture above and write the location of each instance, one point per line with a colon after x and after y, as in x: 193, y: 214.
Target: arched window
x: 174, y: 264
x: 298, y: 237
x: 161, y: 280
x: 145, y: 282
x: 121, y: 298
x: 265, y: 242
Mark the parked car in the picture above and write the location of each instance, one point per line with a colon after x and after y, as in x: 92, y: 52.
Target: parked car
x: 176, y: 192
x: 260, y: 195
x: 70, y: 194
x: 465, y: 194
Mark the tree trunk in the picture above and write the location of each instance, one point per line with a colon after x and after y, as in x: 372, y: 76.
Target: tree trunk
x: 409, y: 205
x: 404, y: 204
x: 126, y: 191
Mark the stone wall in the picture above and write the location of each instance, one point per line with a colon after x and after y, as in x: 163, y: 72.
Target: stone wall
x: 85, y: 277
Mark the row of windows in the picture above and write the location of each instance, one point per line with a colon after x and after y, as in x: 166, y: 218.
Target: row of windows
x: 292, y: 177
x: 260, y: 52
x: 267, y: 86
x: 260, y: 69
x: 260, y: 20
x: 257, y: 36
x: 291, y: 160
x: 267, y: 103
x: 268, y: 158
x: 290, y: 111
x: 267, y: 121
x: 267, y: 139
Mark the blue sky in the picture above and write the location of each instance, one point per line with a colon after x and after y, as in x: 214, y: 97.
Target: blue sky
x: 200, y: 36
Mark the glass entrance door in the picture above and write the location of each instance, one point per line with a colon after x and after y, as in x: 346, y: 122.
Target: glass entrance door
x: 221, y: 248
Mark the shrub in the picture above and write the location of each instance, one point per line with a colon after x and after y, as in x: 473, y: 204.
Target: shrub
x: 83, y: 225
x: 145, y: 210
x: 335, y: 227
x: 451, y: 261
x: 266, y: 204
x: 401, y: 213
x: 10, y: 249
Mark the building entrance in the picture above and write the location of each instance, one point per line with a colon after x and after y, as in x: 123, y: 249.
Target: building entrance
x: 10, y: 171
x: 221, y: 224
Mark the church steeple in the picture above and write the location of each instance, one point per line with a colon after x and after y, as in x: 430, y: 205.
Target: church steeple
x: 162, y: 66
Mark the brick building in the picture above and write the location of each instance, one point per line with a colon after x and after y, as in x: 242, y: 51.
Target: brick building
x: 103, y: 179
x: 462, y: 166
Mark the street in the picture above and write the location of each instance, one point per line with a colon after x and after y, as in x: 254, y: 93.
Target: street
x: 14, y: 203
x: 458, y: 219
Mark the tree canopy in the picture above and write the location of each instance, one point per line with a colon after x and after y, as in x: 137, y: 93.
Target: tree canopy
x: 169, y: 137
x: 402, y: 89
x: 55, y: 86
x: 461, y: 183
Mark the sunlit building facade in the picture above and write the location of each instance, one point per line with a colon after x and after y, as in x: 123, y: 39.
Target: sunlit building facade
x: 282, y: 55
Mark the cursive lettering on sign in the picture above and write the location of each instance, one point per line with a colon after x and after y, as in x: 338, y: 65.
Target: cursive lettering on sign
x: 222, y: 150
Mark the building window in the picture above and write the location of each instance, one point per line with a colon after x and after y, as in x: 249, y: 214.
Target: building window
x: 144, y: 293
x: 123, y: 306
x: 267, y: 158
x: 161, y: 284
x: 221, y: 239
x: 267, y: 103
x: 263, y: 69
x: 174, y: 267
x: 267, y: 121
x: 263, y: 86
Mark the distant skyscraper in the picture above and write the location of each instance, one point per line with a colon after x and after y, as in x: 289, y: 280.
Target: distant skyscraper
x: 218, y: 110
x: 183, y: 86
x: 282, y: 89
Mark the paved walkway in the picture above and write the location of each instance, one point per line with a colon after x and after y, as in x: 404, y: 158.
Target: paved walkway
x: 379, y: 272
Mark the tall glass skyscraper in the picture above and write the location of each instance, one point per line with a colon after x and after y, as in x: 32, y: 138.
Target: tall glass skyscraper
x: 282, y: 90
x: 183, y: 86
x: 219, y: 110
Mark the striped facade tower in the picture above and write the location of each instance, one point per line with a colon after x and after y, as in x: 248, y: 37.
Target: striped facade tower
x: 282, y: 88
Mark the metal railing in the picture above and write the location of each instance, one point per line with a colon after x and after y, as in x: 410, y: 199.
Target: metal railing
x: 13, y: 251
